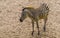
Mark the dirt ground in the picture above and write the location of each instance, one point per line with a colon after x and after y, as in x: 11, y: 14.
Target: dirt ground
x: 11, y: 27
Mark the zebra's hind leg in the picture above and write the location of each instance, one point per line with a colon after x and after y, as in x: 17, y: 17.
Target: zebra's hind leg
x: 32, y: 27
x: 45, y: 20
x: 38, y: 27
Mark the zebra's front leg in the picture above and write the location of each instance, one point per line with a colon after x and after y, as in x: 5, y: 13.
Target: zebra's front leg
x: 32, y: 27
x: 38, y: 27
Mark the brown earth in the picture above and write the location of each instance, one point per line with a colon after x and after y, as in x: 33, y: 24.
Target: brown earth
x: 11, y: 27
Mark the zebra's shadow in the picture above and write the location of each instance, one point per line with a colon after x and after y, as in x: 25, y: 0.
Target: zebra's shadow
x: 38, y: 36
x: 42, y: 35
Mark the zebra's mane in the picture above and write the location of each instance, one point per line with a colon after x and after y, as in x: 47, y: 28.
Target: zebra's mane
x: 27, y: 8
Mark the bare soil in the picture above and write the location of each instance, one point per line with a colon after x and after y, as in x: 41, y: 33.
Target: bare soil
x: 11, y: 27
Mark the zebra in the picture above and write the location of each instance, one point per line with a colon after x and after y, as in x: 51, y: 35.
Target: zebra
x: 35, y: 14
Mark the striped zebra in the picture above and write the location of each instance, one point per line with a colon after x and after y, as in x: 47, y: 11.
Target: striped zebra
x: 35, y: 15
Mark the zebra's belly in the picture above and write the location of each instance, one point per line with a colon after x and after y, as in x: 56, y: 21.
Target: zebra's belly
x: 42, y: 17
x: 37, y: 17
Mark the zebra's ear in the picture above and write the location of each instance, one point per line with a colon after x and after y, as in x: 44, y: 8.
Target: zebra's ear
x: 26, y: 10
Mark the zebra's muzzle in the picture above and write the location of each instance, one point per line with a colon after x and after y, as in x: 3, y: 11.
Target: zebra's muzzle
x: 21, y: 20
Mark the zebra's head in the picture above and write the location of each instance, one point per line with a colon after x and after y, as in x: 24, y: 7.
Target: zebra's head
x: 23, y: 15
x: 25, y: 12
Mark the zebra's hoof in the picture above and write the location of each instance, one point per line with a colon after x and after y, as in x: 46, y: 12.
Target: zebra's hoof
x: 32, y: 33
x: 38, y: 33
x: 44, y: 29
